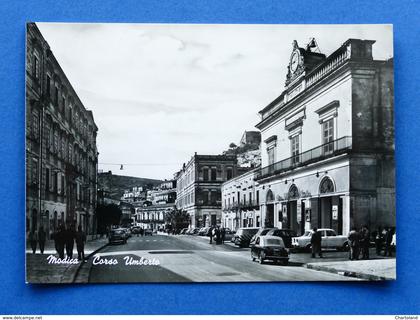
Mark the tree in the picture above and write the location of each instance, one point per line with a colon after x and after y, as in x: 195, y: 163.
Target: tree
x: 233, y: 146
x: 107, y: 215
x: 178, y: 219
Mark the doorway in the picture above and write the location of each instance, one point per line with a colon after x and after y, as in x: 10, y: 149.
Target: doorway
x: 269, y: 223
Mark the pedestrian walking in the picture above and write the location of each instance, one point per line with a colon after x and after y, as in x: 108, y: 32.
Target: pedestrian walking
x: 70, y: 235
x: 42, y: 236
x: 61, y: 241
x: 218, y: 239
x: 80, y: 243
x: 33, y: 240
x: 388, y: 240
x: 212, y: 232
x: 353, y: 239
x: 378, y: 241
x: 316, y: 240
x: 223, y: 234
x: 365, y: 242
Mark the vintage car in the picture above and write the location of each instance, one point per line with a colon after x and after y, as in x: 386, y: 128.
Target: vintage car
x: 269, y: 248
x: 261, y: 232
x: 286, y: 234
x: 243, y: 236
x: 330, y: 240
x: 118, y: 235
x: 148, y: 232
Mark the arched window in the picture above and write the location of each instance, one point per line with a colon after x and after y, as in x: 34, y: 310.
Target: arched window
x: 293, y: 192
x: 326, y: 185
x: 270, y: 196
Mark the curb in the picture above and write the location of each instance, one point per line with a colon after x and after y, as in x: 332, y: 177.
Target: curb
x: 358, y: 275
x: 83, y: 262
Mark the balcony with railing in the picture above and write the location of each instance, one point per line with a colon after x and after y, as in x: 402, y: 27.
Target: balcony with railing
x: 324, y: 151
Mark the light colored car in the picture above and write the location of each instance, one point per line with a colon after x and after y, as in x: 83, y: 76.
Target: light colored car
x: 330, y: 240
x: 269, y: 248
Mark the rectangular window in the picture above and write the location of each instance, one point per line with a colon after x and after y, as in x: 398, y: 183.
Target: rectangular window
x: 36, y: 67
x: 213, y: 174
x: 47, y: 179
x: 250, y: 198
x: 328, y: 136
x: 295, y: 149
x: 244, y: 199
x: 258, y: 196
x: 271, y: 152
x: 205, y: 174
x: 48, y: 86
x: 35, y: 123
x: 56, y: 95
x: 229, y: 173
x: 34, y: 177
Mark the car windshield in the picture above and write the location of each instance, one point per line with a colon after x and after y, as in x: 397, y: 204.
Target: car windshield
x: 249, y: 231
x: 307, y: 233
x: 118, y: 231
x: 273, y: 242
x: 264, y: 232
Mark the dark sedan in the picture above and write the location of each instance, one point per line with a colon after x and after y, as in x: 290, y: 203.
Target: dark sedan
x: 243, y: 236
x: 285, y: 234
x: 118, y: 236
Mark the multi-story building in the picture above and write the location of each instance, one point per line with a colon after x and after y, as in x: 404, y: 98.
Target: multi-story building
x: 61, y: 153
x: 152, y: 213
x: 241, y: 201
x: 328, y: 142
x: 199, y: 187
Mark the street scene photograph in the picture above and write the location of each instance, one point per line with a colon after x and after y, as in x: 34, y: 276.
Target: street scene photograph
x: 209, y: 153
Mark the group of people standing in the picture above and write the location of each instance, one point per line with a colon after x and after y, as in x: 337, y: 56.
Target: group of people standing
x: 359, y: 242
x: 218, y: 234
x: 64, y: 239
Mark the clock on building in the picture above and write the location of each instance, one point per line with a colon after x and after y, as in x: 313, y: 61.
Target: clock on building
x: 294, y: 60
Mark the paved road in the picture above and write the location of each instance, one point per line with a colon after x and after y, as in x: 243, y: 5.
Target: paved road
x: 191, y: 259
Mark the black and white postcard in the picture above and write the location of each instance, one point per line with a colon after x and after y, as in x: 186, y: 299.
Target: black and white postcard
x: 209, y: 153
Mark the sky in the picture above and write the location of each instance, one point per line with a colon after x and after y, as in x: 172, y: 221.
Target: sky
x: 160, y: 92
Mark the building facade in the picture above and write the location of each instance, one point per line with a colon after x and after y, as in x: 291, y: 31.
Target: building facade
x: 241, y: 201
x: 151, y: 214
x: 199, y: 187
x: 61, y: 153
x: 328, y: 142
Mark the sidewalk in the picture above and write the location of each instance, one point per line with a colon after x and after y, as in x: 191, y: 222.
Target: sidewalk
x: 373, y: 270
x: 38, y: 270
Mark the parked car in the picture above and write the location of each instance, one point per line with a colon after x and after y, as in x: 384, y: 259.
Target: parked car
x: 183, y: 231
x: 203, y: 231
x: 269, y: 248
x: 135, y: 230
x: 261, y: 232
x: 193, y: 231
x: 243, y: 236
x: 148, y: 232
x: 117, y: 236
x: 330, y: 240
x: 286, y: 234
x: 127, y: 232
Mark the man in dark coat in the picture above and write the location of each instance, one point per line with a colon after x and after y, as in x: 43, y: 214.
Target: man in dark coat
x: 365, y: 242
x: 61, y: 241
x: 388, y: 240
x: 70, y: 235
x: 80, y: 243
x: 223, y: 234
x: 42, y: 236
x: 378, y: 241
x: 33, y: 240
x: 353, y: 239
x: 316, y: 240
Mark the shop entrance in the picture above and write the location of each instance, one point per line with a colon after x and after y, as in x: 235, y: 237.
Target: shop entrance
x: 269, y: 223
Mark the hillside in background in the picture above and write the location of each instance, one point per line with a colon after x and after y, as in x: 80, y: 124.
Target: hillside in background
x: 116, y: 184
